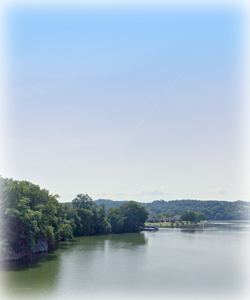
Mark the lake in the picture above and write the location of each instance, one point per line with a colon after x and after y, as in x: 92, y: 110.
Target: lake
x: 210, y: 263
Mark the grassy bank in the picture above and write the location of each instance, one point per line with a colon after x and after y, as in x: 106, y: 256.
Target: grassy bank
x: 175, y: 225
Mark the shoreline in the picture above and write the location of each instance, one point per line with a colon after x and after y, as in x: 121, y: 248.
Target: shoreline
x: 168, y: 225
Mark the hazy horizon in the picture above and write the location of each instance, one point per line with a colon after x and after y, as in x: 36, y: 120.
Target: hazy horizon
x: 131, y: 103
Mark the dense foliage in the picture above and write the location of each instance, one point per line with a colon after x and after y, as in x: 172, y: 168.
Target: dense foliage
x: 41, y: 213
x: 36, y: 208
x: 129, y: 217
x: 193, y: 216
x: 88, y: 218
x: 38, y: 213
x: 214, y: 210
x: 110, y: 203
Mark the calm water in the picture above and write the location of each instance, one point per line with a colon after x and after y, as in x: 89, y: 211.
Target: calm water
x: 168, y: 264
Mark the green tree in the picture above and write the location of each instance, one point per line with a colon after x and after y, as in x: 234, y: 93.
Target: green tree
x: 101, y: 224
x: 85, y: 215
x: 39, y: 211
x: 200, y: 216
x: 115, y: 219
x: 84, y: 201
x: 189, y: 216
x: 134, y: 215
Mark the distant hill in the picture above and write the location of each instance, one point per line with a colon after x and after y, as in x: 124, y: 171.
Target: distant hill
x: 112, y: 203
x: 213, y: 209
x: 109, y: 203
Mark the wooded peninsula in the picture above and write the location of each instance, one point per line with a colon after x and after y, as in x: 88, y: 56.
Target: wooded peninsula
x: 33, y: 220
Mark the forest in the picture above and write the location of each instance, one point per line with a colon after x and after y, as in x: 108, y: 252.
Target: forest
x: 30, y: 216
x: 213, y: 209
x: 36, y: 214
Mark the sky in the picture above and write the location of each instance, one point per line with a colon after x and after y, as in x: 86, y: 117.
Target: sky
x: 126, y: 103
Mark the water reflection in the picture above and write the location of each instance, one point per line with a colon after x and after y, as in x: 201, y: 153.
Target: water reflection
x: 29, y: 261
x: 128, y: 240
x: 35, y: 260
x: 240, y: 226
x: 185, y: 230
x: 165, y: 262
x: 89, y: 243
x: 34, y: 275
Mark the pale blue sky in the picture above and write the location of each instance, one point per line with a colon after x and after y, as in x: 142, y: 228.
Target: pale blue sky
x: 139, y: 104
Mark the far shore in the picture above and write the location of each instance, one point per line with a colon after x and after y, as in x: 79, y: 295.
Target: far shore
x: 178, y: 225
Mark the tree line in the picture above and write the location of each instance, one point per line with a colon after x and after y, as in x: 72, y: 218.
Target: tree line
x: 189, y: 215
x: 41, y: 213
x: 213, y: 209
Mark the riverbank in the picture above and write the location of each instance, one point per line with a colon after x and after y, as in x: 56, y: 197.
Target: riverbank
x: 179, y: 225
x: 18, y: 242
x: 164, y: 264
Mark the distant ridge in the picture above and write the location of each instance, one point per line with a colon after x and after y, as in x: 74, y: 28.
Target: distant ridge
x: 213, y: 209
x: 111, y: 203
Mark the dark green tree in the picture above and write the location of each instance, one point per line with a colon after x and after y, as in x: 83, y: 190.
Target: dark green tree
x: 189, y: 216
x: 200, y: 216
x: 84, y: 201
x: 115, y: 219
x: 40, y: 212
x: 101, y: 224
x: 134, y: 216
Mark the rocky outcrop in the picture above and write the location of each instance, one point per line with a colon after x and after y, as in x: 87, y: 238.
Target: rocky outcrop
x: 41, y: 245
x: 17, y: 241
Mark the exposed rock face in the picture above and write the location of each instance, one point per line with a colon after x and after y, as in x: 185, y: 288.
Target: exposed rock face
x: 18, y: 240
x: 41, y: 245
